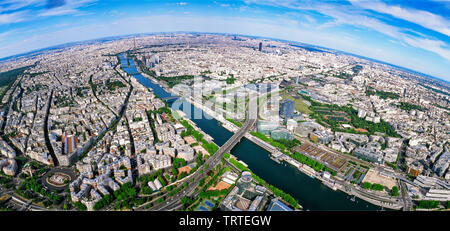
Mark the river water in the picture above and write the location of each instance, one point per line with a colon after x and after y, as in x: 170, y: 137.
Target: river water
x: 309, y: 192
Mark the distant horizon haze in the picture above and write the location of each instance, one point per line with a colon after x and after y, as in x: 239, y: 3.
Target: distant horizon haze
x: 410, y: 34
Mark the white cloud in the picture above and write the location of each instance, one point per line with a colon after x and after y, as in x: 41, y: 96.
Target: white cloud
x: 420, y: 17
x: 355, y: 17
x: 360, y: 21
x: 243, y: 8
x: 5, y: 35
x: 12, y: 17
x: 309, y: 19
x: 241, y: 25
x: 58, y: 11
x: 431, y: 45
x: 117, y: 13
x: 274, y: 28
x: 71, y: 7
x: 288, y: 22
x: 10, y: 5
x: 18, y: 15
x: 435, y: 46
x: 283, y: 28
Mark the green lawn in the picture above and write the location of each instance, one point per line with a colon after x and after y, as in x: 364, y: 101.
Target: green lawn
x: 299, y: 104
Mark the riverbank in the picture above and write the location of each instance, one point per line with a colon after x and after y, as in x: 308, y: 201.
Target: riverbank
x: 279, y: 157
x: 341, y: 185
x: 233, y: 128
x: 191, y: 122
x: 348, y: 188
x: 312, y: 194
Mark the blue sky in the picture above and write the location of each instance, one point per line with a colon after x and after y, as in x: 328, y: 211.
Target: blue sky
x: 413, y: 34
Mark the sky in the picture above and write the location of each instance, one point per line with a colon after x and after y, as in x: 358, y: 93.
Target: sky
x: 412, y: 34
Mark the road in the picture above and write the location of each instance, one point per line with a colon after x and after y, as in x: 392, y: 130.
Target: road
x: 7, y: 109
x: 46, y: 133
x: 26, y: 205
x: 211, y: 163
x: 178, y: 204
x: 407, y: 202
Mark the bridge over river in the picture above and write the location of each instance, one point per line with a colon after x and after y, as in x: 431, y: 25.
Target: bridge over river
x: 211, y: 162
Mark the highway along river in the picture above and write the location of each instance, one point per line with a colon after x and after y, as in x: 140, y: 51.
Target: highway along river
x: 309, y: 192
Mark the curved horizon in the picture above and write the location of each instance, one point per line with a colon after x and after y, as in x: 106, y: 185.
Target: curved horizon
x: 414, y: 36
x: 115, y: 37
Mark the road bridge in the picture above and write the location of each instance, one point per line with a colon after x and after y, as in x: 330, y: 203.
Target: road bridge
x: 169, y: 98
x: 212, y: 161
x: 407, y: 202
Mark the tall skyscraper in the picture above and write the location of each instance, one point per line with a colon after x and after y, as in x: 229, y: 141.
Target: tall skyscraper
x: 70, y: 144
x: 287, y: 109
x: 151, y: 60
x: 300, y: 68
x: 260, y: 46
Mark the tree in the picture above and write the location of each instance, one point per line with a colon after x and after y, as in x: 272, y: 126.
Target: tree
x: 186, y: 200
x: 378, y: 187
x: 394, y: 191
x: 174, y: 171
x: 428, y: 204
x: 202, y: 182
x: 146, y: 190
x: 182, y: 175
x: 80, y: 206
x: 162, y: 181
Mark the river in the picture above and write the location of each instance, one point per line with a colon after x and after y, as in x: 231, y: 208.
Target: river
x: 309, y: 192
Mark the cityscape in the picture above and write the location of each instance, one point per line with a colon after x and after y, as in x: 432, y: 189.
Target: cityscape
x: 202, y: 121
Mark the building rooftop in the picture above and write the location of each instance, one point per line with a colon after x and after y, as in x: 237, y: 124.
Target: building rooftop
x: 277, y: 205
